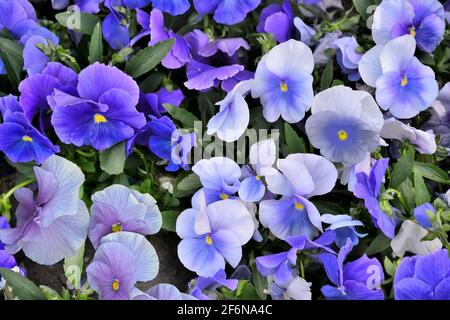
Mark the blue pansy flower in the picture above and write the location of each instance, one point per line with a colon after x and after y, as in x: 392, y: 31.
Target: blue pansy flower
x: 423, y: 214
x: 344, y: 227
x: 347, y: 57
x: 226, y: 12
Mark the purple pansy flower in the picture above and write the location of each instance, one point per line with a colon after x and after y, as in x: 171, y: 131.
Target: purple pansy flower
x: 122, y: 259
x: 213, y: 234
x: 168, y: 143
x: 283, y: 81
x: 34, y: 59
x: 21, y: 142
x: 205, y: 287
x: 347, y: 57
x: 404, y: 86
x: 345, y: 124
x: 226, y: 12
x: 3, y: 225
x: 440, y: 116
x: 277, y: 19
x: 15, y: 14
x: 423, y: 277
x: 325, y: 44
x: 118, y: 208
x: 302, y: 176
x: 115, y: 31
x: 152, y: 104
x: 423, y: 214
x: 203, y: 76
x: 343, y: 226
x: 104, y: 111
x: 162, y: 291
x: 173, y: 7
x: 357, y: 280
x: 369, y: 188
x: 422, y: 19
x: 53, y: 224
x: 219, y: 177
x: 262, y: 157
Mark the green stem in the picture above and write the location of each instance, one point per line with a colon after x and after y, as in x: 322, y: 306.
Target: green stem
x: 144, y: 160
x: 11, y: 192
x: 302, y: 268
x: 86, y: 154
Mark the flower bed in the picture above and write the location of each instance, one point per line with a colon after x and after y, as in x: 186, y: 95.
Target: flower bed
x: 183, y: 150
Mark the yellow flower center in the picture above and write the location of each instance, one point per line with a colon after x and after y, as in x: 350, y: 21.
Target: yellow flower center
x: 224, y: 196
x: 98, y: 118
x: 208, y: 239
x: 283, y: 86
x: 27, y: 139
x: 342, y: 135
x: 258, y: 178
x: 404, y: 81
x: 115, y: 285
x: 299, y: 206
x: 412, y: 31
x: 116, y: 227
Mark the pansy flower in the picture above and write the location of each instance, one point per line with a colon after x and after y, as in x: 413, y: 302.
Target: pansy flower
x: 53, y: 224
x: 226, y: 12
x: 277, y: 19
x: 345, y: 124
x: 152, y: 104
x: 423, y: 141
x: 439, y: 121
x: 423, y: 277
x: 296, y: 289
x: 302, y: 176
x: 169, y: 144
x: 104, y: 111
x: 344, y: 227
x: 213, y: 234
x: 347, y: 57
x: 115, y: 31
x: 422, y: 19
x: 219, y: 177
x: 118, y: 208
x: 357, y: 280
x: 369, y: 188
x: 306, y: 32
x: 283, y: 81
x: 404, y: 86
x: 205, y: 287
x: 262, y: 157
x: 162, y: 291
x: 121, y: 260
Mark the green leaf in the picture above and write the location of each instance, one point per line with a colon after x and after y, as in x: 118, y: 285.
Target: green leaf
x: 148, y: 58
x: 421, y: 191
x: 389, y: 266
x: 11, y: 54
x: 169, y: 220
x: 78, y: 21
x: 380, y: 243
x: 191, y: 182
x: 364, y: 7
x: 432, y: 172
x: 112, y: 160
x: 22, y: 287
x: 260, y: 283
x: 408, y: 193
x: 73, y: 267
x: 403, y: 168
x: 327, y: 76
x: 295, y: 144
x: 182, y: 115
x: 96, y: 45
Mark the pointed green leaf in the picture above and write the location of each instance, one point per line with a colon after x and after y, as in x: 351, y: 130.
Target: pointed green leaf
x: 112, y: 160
x: 294, y: 143
x: 403, y: 168
x: 96, y: 45
x: 11, y: 55
x: 78, y: 21
x: 23, y: 288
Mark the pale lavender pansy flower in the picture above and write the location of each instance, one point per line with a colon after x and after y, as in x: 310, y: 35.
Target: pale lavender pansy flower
x: 410, y: 239
x: 277, y: 19
x: 219, y: 177
x: 302, y: 176
x: 348, y: 57
x: 118, y: 208
x: 423, y: 141
x: 344, y: 227
x: 262, y: 157
x: 162, y: 291
x: 357, y: 280
x: 440, y: 116
x: 204, y: 76
x: 52, y: 225
x: 283, y: 81
x: 232, y: 119
x: 306, y: 32
x: 324, y: 46
x: 296, y: 289
x: 423, y: 277
x: 348, y: 171
x: 228, y: 12
x: 103, y: 113
x: 345, y: 124
x: 369, y: 188
x: 121, y: 260
x: 404, y: 86
x: 422, y: 19
x: 204, y: 288
x: 213, y: 234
